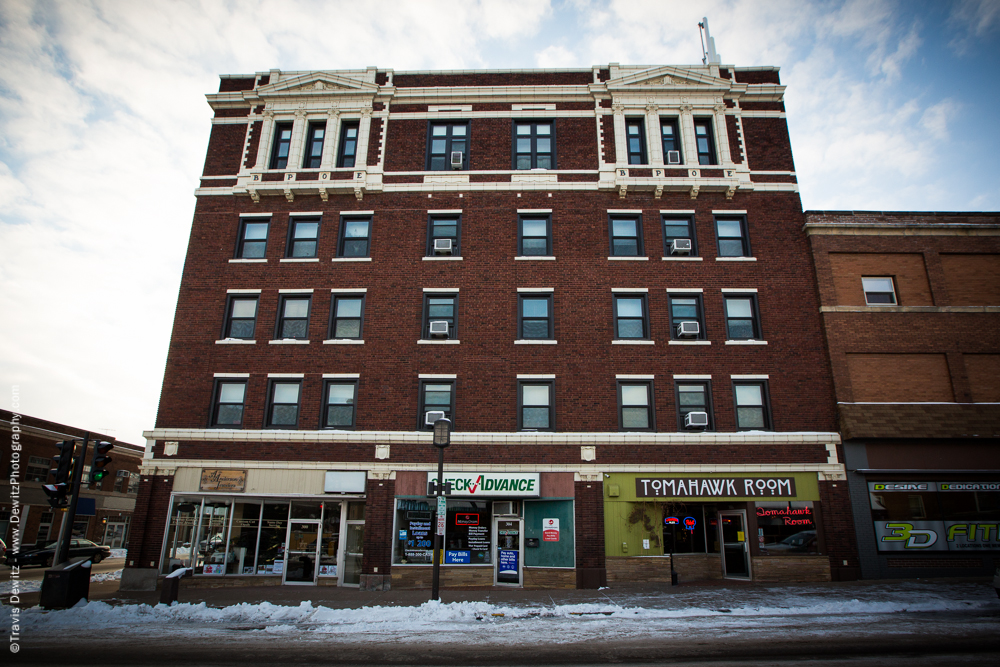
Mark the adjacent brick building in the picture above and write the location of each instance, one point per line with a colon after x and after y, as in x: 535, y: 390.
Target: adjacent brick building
x: 911, y: 309
x: 599, y: 275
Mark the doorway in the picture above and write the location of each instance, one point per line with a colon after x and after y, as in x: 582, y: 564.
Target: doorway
x: 302, y: 557
x: 509, y: 540
x: 114, y: 534
x: 735, y: 547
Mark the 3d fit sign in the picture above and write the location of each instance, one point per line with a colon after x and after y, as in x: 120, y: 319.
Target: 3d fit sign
x: 715, y: 487
x: 492, y: 485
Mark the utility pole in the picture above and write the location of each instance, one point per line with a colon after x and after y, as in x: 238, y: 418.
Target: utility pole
x: 66, y: 532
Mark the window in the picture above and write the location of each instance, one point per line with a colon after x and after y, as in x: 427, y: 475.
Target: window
x: 879, y: 291
x: 751, y: 406
x: 338, y: 412
x: 283, y: 404
x: 253, y: 239
x: 347, y: 316
x: 444, y: 229
x: 705, y: 141
x: 348, y: 145
x: 536, y: 410
x: 355, y: 235
x: 37, y: 469
x: 440, y: 310
x: 534, y: 236
x: 626, y: 236
x: 732, y: 237
x: 635, y: 406
x: 282, y: 142
x: 635, y: 135
x: 742, y: 322
x: 671, y: 141
x: 229, y: 396
x: 534, y: 145
x: 687, y: 317
x: 314, y: 145
x: 631, y: 319
x: 535, y: 317
x: 293, y: 319
x: 436, y: 396
x: 694, y: 396
x: 133, y: 484
x: 303, y: 237
x: 241, y: 317
x: 679, y: 229
x: 121, y: 481
x: 445, y: 139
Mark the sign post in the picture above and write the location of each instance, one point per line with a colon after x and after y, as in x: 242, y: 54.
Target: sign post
x: 442, y: 438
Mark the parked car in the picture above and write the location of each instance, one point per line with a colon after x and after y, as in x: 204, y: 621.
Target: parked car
x: 44, y: 556
x: 803, y: 542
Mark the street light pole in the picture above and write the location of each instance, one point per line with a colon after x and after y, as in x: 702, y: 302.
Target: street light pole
x: 66, y: 530
x: 442, y: 438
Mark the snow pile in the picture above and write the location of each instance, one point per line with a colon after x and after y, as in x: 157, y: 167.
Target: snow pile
x: 106, y: 576
x: 23, y: 586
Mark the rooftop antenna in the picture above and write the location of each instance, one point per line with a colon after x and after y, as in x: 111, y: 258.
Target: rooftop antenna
x: 709, y: 56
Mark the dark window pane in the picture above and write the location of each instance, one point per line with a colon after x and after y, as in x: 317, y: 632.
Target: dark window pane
x: 534, y: 247
x: 629, y: 329
x: 253, y: 249
x: 625, y: 247
x: 340, y: 415
x: 293, y: 329
x: 535, y: 418
x: 285, y: 415
x: 750, y: 417
x: 230, y: 414
x: 635, y: 418
x: 348, y: 329
x: 304, y: 249
x: 741, y: 328
x: 356, y: 248
x: 241, y: 329
x: 730, y: 248
x: 536, y: 329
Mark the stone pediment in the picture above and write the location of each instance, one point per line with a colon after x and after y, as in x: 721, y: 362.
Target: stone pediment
x: 318, y: 82
x: 668, y: 77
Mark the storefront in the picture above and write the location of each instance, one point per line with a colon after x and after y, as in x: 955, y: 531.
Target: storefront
x: 500, y: 529
x: 224, y: 531
x: 764, y: 527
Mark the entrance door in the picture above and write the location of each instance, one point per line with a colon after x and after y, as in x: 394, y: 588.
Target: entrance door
x: 509, y: 547
x: 302, y: 555
x: 735, y: 548
x: 114, y: 534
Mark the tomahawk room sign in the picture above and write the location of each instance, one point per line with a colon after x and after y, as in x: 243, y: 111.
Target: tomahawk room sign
x: 715, y: 487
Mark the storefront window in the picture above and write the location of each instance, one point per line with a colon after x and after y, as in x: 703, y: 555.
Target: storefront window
x: 330, y: 540
x: 243, y: 538
x: 354, y: 543
x: 920, y: 505
x: 211, y: 554
x: 788, y: 528
x: 467, y: 532
x: 414, y: 543
x: 681, y: 539
x: 271, y: 553
x: 180, y: 533
x: 980, y: 506
x: 307, y: 510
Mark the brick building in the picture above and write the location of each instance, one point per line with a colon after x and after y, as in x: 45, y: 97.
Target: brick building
x: 598, y: 275
x: 911, y: 309
x: 105, y: 511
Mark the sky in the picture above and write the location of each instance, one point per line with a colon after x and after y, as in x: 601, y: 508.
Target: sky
x: 104, y: 127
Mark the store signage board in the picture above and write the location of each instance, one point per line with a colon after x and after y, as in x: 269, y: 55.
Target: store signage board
x: 492, y: 485
x: 919, y: 536
x: 223, y: 480
x: 442, y: 508
x: 715, y: 487
x: 550, y: 530
x: 345, y: 481
x: 507, y: 562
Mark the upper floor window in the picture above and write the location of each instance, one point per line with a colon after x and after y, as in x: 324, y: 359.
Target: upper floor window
x: 705, y: 141
x: 283, y: 404
x: 687, y: 318
x: 671, y: 141
x: 252, y: 242
x: 121, y: 481
x: 37, y: 469
x: 293, y: 317
x: 534, y: 237
x: 348, y: 144
x: 535, y: 317
x: 448, y: 146
x: 314, y: 145
x: 694, y: 405
x: 227, y: 409
x: 282, y: 144
x: 626, y: 236
x: 303, y: 237
x: 678, y: 236
x: 534, y: 145
x: 241, y: 317
x: 444, y: 236
x: 355, y: 234
x: 536, y: 405
x: 440, y: 316
x: 742, y: 322
x: 339, y: 409
x: 631, y: 317
x: 437, y: 401
x: 347, y: 316
x: 879, y: 291
x: 635, y: 136
x: 752, y: 411
x: 635, y: 406
x: 732, y: 237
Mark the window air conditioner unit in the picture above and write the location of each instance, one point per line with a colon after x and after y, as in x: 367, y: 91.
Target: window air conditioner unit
x: 456, y: 159
x: 443, y: 246
x: 505, y: 508
x: 688, y: 330
x: 673, y: 157
x: 696, y: 420
x: 432, y: 416
x: 680, y: 247
x: 439, y: 329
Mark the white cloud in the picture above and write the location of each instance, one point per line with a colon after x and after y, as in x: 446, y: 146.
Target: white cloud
x: 556, y: 56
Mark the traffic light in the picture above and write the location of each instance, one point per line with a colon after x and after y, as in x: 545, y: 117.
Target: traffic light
x: 63, y: 461
x: 100, y: 460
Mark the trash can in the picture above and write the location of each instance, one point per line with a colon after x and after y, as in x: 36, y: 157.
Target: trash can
x: 172, y: 584
x: 66, y: 584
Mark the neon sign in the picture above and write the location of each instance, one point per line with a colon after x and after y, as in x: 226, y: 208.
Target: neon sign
x: 671, y: 521
x: 690, y: 522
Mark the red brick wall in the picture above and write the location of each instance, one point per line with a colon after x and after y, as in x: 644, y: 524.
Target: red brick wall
x: 225, y: 149
x: 767, y: 144
x: 374, y: 141
x: 883, y: 378
x: 608, y: 134
x: 494, y: 79
x: 233, y: 85
x: 757, y: 76
x: 589, y: 518
x: 836, y: 520
x: 735, y: 151
x: 145, y: 540
x: 907, y: 270
x: 254, y: 143
x: 379, y: 510
x: 972, y: 279
x: 407, y: 149
x: 576, y: 143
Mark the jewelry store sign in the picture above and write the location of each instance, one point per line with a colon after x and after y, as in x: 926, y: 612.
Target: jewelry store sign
x: 223, y: 480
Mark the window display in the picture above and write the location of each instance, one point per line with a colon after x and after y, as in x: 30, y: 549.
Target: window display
x: 786, y: 528
x: 467, y: 538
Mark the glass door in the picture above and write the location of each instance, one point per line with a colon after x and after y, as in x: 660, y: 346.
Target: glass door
x: 508, y: 540
x: 114, y: 535
x: 329, y: 550
x: 302, y: 555
x: 354, y: 543
x: 735, y: 547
